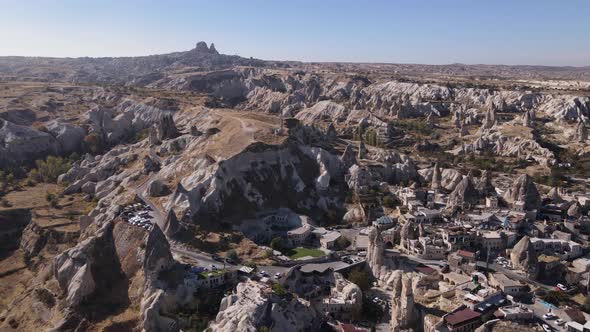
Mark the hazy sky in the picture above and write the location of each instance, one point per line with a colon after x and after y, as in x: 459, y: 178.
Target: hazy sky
x: 412, y: 31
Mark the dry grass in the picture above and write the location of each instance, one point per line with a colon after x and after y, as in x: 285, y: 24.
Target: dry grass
x: 63, y: 218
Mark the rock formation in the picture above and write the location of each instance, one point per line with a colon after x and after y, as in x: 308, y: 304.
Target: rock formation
x: 490, y: 117
x: 528, y: 119
x: 331, y: 131
x: 171, y: 224
x: 430, y: 121
x: 20, y: 144
x: 156, y: 188
x: 484, y: 185
x: 362, y: 153
x: 166, y: 128
x: 435, y: 183
x: 581, y: 132
x: 404, y: 314
x: 375, y: 252
x: 457, y: 118
x: 252, y: 306
x: 153, y: 136
x: 575, y: 210
x: 524, y: 190
x: 524, y: 257
x: 348, y: 158
x: 463, y: 131
x: 450, y: 178
x: 194, y: 131
x: 408, y: 232
x: 150, y: 164
x: 554, y: 195
x: 507, y: 146
x: 463, y: 195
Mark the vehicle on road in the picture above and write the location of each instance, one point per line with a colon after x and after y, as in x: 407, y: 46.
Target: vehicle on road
x: 549, y: 316
x: 560, y: 322
x: 546, y: 328
x: 562, y: 287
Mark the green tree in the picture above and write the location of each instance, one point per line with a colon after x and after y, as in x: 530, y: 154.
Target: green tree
x: 278, y: 244
x: 232, y: 255
x: 361, y: 279
x: 388, y: 201
x: 555, y: 297
x: 342, y: 243
x: 278, y: 289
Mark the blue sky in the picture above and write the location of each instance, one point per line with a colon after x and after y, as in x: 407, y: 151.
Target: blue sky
x: 410, y: 31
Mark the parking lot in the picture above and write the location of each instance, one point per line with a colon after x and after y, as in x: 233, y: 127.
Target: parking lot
x: 139, y: 215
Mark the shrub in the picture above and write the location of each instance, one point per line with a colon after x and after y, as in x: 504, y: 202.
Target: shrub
x: 93, y: 143
x: 49, y: 169
x: 49, y: 197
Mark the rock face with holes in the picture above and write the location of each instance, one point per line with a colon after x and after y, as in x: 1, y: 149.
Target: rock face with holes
x: 253, y: 306
x: 525, y: 191
x: 375, y: 252
x: 99, y: 269
x: 449, y: 178
x: 464, y: 194
x: 404, y: 314
x: 260, y: 177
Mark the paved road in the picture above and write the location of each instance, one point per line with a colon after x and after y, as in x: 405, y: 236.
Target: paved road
x: 514, y: 275
x: 539, y: 309
x: 436, y: 262
x: 205, y: 260
x: 199, y: 258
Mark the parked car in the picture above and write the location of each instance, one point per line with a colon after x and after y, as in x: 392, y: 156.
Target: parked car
x: 562, y: 287
x: 546, y: 328
x: 549, y: 315
x: 560, y: 322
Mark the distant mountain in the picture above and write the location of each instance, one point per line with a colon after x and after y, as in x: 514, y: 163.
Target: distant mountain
x: 143, y: 70
x: 139, y: 70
